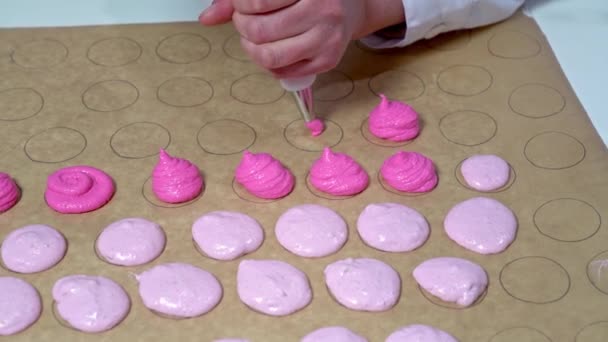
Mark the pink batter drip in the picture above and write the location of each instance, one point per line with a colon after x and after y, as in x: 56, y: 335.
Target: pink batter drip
x: 409, y: 172
x: 9, y: 192
x: 338, y: 174
x: 175, y: 180
x: 78, y: 189
x: 316, y: 127
x: 394, y: 121
x: 264, y: 176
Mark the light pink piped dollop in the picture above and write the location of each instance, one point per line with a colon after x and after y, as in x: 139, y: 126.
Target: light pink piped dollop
x: 264, y: 176
x: 316, y: 127
x: 176, y: 180
x: 338, y: 174
x: 409, y: 172
x: 394, y: 121
x: 9, y: 192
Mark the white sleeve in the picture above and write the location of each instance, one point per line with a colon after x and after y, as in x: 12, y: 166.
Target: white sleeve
x: 427, y: 18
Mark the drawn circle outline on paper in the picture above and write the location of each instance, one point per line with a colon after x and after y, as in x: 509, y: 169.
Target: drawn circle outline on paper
x: 247, y: 89
x: 522, y: 101
x: 512, y: 44
x: 334, y: 85
x: 110, y: 96
x: 183, y: 48
x: 43, y: 53
x: 464, y: 80
x: 560, y: 218
x: 114, y: 52
x: 57, y: 144
x: 392, y: 83
x: 468, y: 127
x: 535, y: 280
x: 520, y: 334
x: 233, y: 49
x: 217, y: 132
x: 554, y: 150
x: 139, y: 140
x: 16, y: 107
x: 196, y: 92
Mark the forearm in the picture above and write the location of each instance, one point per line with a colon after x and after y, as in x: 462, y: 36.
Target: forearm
x: 380, y: 14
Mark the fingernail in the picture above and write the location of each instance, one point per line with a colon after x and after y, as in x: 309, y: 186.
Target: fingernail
x: 207, y: 10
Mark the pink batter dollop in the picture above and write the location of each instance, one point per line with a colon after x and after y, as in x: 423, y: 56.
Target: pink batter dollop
x: 311, y: 230
x: 316, y: 127
x: 273, y: 287
x: 333, y: 334
x: 485, y: 172
x: 32, y: 249
x: 179, y: 290
x: 482, y: 225
x: 78, y: 189
x: 90, y: 303
x: 9, y: 192
x: 394, y: 121
x: 392, y: 227
x: 420, y: 333
x: 176, y: 180
x: 452, y: 280
x: 20, y: 305
x: 226, y: 235
x: 409, y: 172
x: 131, y: 242
x: 363, y: 284
x: 338, y: 174
x: 264, y: 176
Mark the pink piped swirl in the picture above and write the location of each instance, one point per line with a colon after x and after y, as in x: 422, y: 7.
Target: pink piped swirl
x: 9, y: 192
x: 176, y: 180
x: 264, y: 176
x: 409, y: 172
x: 338, y: 174
x: 394, y: 121
x: 78, y: 189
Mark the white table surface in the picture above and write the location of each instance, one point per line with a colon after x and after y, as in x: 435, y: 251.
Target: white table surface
x: 576, y: 29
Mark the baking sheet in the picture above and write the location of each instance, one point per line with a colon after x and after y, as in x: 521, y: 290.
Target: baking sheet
x: 111, y: 96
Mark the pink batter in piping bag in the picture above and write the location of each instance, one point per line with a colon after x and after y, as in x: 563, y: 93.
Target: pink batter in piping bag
x: 301, y: 88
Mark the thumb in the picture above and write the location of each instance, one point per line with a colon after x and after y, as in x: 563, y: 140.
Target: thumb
x: 219, y: 12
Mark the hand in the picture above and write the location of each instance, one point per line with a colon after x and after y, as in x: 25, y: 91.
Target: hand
x: 294, y: 38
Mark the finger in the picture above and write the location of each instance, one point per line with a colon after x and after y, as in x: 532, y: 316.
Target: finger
x: 284, y: 52
x: 261, y: 6
x: 219, y: 12
x: 271, y: 27
x: 307, y: 67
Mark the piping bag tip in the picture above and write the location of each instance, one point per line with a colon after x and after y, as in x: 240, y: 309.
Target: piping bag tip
x: 301, y: 88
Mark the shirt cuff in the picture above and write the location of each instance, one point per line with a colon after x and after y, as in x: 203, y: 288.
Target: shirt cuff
x: 423, y: 21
